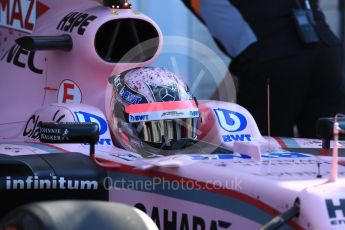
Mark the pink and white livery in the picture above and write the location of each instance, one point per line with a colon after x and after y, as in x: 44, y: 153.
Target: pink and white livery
x: 84, y: 61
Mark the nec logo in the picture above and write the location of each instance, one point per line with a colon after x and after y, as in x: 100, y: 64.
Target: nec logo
x: 231, y: 121
x: 22, y: 58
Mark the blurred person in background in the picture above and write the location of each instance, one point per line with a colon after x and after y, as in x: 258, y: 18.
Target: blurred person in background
x: 283, y: 53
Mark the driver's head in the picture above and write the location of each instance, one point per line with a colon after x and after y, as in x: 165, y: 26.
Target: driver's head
x: 152, y: 106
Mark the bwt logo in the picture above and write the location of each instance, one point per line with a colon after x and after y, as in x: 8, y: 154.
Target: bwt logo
x: 194, y: 113
x: 102, y: 124
x: 231, y: 121
x: 136, y: 118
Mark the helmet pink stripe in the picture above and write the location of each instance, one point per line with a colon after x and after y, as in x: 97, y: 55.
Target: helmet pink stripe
x: 160, y: 106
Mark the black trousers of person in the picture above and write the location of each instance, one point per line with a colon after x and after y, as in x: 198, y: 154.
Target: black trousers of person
x: 303, y: 87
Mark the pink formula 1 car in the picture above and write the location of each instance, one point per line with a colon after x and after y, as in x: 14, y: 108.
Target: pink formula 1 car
x: 84, y: 117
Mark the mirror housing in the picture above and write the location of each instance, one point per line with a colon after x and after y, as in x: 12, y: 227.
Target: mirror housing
x: 74, y: 133
x: 68, y: 133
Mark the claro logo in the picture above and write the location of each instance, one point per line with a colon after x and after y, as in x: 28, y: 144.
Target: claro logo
x: 32, y: 129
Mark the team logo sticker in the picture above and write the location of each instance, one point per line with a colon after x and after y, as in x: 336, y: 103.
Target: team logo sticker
x: 69, y: 92
x: 21, y: 14
x: 231, y: 121
x: 127, y: 94
x: 130, y: 96
x: 165, y: 93
x: 167, y: 115
x: 32, y: 126
x: 75, y: 21
x: 138, y: 118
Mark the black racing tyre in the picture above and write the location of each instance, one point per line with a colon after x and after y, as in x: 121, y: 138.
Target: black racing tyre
x: 75, y: 215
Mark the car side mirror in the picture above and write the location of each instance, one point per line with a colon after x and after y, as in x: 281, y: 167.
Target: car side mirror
x: 68, y: 133
x: 74, y: 132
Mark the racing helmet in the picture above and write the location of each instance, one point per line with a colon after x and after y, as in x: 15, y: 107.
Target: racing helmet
x: 151, y: 106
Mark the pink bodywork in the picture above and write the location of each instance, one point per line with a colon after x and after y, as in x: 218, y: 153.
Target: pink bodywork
x: 229, y: 191
x: 26, y: 90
